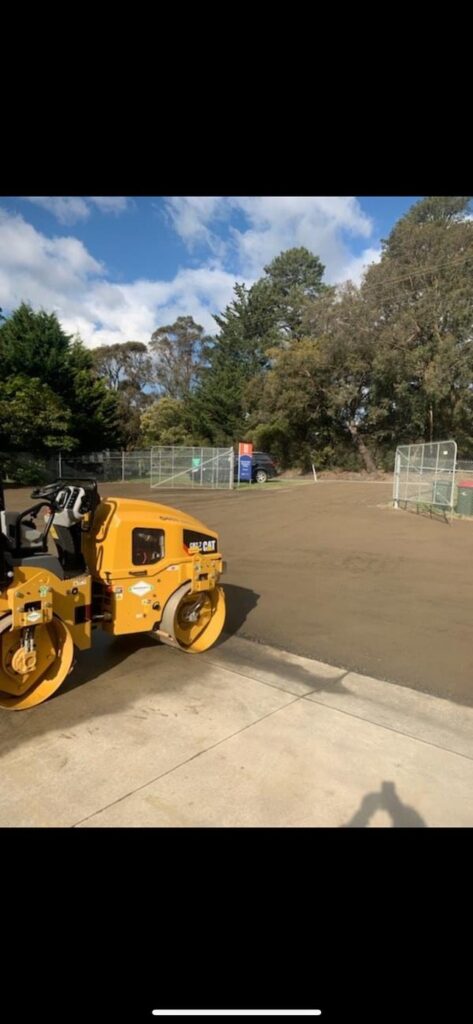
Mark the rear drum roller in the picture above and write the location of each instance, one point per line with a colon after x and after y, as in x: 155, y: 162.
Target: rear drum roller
x: 193, y: 622
x: 30, y: 676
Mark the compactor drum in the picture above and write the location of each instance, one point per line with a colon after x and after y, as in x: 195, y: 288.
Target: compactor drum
x: 126, y: 566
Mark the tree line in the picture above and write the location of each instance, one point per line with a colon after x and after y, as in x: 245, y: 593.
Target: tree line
x: 310, y: 372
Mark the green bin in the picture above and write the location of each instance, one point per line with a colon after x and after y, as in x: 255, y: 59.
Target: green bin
x: 465, y: 498
x: 441, y: 494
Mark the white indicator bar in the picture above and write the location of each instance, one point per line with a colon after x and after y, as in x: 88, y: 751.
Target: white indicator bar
x: 237, y: 1013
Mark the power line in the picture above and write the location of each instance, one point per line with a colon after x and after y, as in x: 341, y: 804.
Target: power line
x: 427, y: 270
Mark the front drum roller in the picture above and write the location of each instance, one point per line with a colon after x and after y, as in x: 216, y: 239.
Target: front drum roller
x: 193, y: 621
x: 27, y: 679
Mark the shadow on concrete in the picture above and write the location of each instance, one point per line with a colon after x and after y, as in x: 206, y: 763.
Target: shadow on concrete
x: 106, y: 653
x: 386, y: 799
x: 115, y: 690
x: 240, y: 601
x: 257, y: 659
x: 118, y: 683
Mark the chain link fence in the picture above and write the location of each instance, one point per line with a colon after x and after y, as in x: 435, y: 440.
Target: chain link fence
x: 170, y: 466
x: 135, y: 466
x: 464, y: 470
x: 424, y: 475
x: 418, y: 477
x: 181, y: 466
x: 25, y: 469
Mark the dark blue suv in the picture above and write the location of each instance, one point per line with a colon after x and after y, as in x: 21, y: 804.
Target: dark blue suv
x: 264, y: 468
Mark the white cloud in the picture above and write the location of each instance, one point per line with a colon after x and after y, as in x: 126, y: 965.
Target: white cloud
x: 122, y: 312
x: 281, y: 211
x: 192, y: 215
x: 36, y: 268
x: 272, y: 224
x: 358, y: 265
x: 60, y: 275
x: 70, y: 209
x: 67, y: 209
x: 109, y: 204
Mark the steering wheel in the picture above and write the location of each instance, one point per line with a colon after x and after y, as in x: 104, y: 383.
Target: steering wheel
x: 63, y: 497
x: 47, y: 491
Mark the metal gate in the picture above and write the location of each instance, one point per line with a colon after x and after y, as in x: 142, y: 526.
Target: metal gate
x: 178, y: 466
x: 424, y: 474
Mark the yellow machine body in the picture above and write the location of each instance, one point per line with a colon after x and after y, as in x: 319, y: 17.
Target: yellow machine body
x: 67, y: 599
x: 141, y: 567
x: 135, y: 592
x: 59, y: 612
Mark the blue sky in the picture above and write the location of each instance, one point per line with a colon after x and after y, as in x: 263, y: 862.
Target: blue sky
x: 114, y: 268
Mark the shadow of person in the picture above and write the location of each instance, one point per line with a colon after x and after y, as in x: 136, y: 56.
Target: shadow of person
x: 386, y: 799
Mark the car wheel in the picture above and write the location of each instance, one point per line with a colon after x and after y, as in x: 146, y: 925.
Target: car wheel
x: 261, y: 476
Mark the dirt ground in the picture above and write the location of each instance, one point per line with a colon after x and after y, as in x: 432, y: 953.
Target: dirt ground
x: 329, y: 570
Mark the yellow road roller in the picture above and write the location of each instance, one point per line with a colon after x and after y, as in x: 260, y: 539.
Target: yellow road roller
x: 73, y: 562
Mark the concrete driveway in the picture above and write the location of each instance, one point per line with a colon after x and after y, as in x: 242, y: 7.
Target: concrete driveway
x: 245, y: 735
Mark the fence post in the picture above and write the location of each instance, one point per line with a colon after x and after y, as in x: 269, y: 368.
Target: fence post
x: 123, y: 465
x: 59, y: 460
x: 397, y: 479
x: 434, y: 490
x: 454, y: 471
x: 421, y: 476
